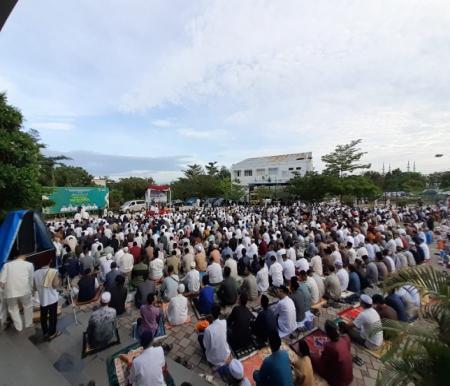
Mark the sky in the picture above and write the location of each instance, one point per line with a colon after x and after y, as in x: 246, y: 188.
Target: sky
x: 146, y: 87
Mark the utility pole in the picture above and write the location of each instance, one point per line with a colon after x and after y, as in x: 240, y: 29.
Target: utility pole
x: 414, y: 166
x: 383, y: 171
x: 407, y: 167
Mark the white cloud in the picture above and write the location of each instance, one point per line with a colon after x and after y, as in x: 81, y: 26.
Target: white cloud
x: 201, y: 134
x: 268, y: 77
x: 59, y: 126
x: 162, y: 123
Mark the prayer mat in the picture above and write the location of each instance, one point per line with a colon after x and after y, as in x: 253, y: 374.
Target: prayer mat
x: 254, y: 362
x: 94, y: 299
x: 245, y: 352
x: 350, y: 313
x: 165, y: 308
x: 315, y: 340
x: 118, y: 366
x: 378, y: 353
x: 160, y: 332
x: 198, y: 315
x: 87, y: 350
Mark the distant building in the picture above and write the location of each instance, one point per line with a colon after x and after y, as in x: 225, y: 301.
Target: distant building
x: 271, y: 171
x: 99, y: 181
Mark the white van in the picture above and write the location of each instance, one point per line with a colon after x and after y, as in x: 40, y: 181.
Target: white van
x: 133, y: 206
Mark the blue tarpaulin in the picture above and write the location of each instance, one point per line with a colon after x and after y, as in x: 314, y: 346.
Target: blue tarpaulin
x: 9, y: 230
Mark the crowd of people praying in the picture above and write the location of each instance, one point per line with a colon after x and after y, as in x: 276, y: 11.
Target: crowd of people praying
x: 284, y: 259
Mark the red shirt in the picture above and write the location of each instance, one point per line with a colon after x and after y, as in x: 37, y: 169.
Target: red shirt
x: 335, y: 363
x: 136, y: 252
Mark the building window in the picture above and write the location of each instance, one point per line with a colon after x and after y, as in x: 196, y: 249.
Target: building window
x: 248, y: 173
x: 237, y: 173
x: 298, y: 168
x: 273, y: 171
x: 260, y: 172
x: 291, y: 168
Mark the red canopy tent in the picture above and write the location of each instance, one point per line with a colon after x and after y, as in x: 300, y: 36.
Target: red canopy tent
x: 158, y: 194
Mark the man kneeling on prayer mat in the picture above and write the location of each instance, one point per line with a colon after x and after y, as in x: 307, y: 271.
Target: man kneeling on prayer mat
x: 178, y: 309
x: 149, y: 368
x: 102, y: 323
x: 360, y: 329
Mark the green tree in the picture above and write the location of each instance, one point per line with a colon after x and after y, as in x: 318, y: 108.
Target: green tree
x: 230, y: 190
x: 193, y: 171
x: 224, y: 173
x: 19, y: 162
x: 71, y: 176
x: 420, y: 351
x: 130, y: 188
x: 212, y: 169
x: 312, y: 186
x: 344, y: 159
x: 48, y: 165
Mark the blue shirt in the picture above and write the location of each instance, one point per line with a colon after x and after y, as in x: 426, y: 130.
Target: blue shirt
x: 275, y: 370
x: 354, y: 284
x: 205, y: 300
x: 395, y: 301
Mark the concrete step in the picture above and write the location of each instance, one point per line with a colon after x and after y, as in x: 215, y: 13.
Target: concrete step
x: 23, y: 364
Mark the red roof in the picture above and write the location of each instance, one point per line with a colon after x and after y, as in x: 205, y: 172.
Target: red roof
x: 161, y: 188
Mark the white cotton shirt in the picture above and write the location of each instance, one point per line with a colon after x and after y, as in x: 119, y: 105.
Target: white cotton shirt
x: 214, y: 272
x: 343, y: 277
x: 233, y: 267
x: 156, y: 268
x: 215, y: 342
x: 276, y: 273
x: 262, y: 279
x: 336, y: 255
x: 192, y: 280
x: 302, y: 264
x: 287, y: 318
x: 146, y: 369
x: 126, y: 263
x: 177, y: 312
x: 288, y: 269
x: 17, y: 276
x: 291, y: 254
x: 312, y: 284
x: 316, y: 265
x: 364, y: 322
x: 47, y: 296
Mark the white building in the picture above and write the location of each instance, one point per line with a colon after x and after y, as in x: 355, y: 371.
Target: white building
x: 273, y: 170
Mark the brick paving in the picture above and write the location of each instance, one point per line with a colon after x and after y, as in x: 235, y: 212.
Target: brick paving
x: 186, y: 348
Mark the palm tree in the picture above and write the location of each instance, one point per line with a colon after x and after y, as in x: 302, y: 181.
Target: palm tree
x: 420, y: 351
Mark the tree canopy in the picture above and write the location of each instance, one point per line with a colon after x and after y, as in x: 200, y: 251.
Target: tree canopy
x: 216, y: 182
x: 19, y: 161
x: 344, y: 159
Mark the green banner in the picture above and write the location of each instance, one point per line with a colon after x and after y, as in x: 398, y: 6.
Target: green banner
x: 68, y: 200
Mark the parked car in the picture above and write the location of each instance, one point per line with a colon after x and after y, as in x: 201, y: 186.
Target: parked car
x: 191, y: 201
x: 133, y: 206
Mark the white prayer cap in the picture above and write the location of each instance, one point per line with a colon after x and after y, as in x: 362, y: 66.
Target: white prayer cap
x: 109, y: 256
x: 106, y: 297
x: 193, y: 264
x: 236, y: 369
x: 125, y: 249
x: 181, y: 288
x: 366, y: 299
